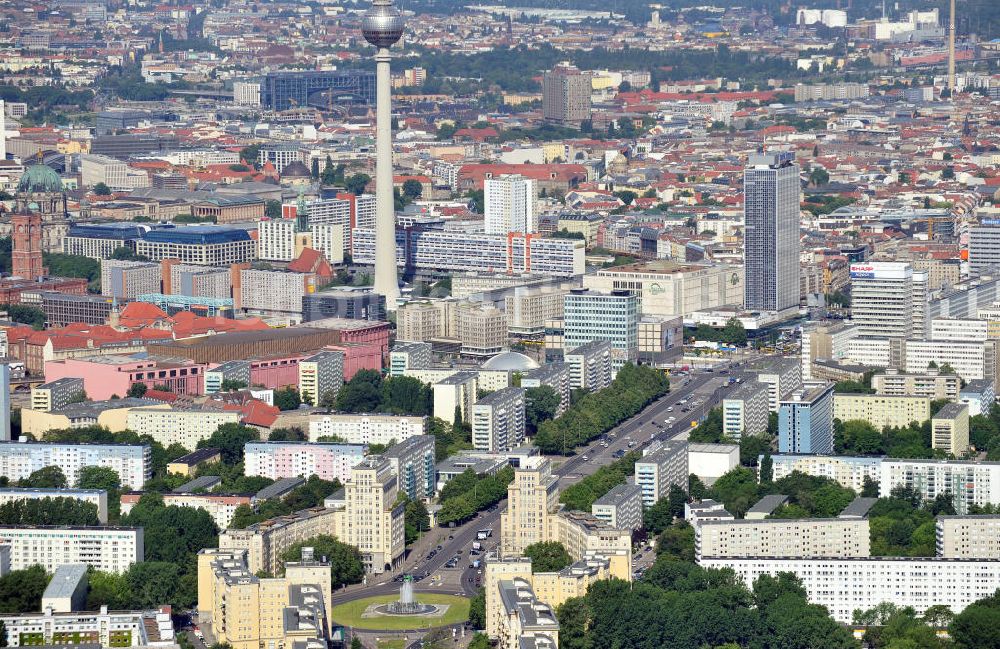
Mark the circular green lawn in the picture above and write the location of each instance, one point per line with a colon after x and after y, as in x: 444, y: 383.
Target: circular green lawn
x: 349, y: 614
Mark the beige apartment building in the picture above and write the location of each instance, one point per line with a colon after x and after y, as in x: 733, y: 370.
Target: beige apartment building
x: 968, y: 537
x: 249, y: 612
x: 775, y: 537
x: 482, y: 328
x: 369, y: 518
x: 929, y: 384
x: 881, y: 410
x: 533, y: 515
x: 424, y: 320
x: 531, y: 498
x: 529, y: 308
x: 551, y: 588
x: 522, y: 621
x: 950, y: 429
x: 264, y: 542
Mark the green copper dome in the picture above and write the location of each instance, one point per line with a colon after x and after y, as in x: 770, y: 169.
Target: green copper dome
x: 40, y: 178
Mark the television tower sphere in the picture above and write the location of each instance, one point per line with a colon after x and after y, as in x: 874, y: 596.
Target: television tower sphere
x: 383, y: 24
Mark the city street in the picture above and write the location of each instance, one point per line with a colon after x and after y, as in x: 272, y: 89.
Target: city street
x: 702, y: 389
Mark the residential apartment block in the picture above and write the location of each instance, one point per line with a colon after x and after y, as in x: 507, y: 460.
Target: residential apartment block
x: 177, y: 426
x: 950, y: 429
x: 931, y: 384
x: 277, y: 460
x: 805, y: 420
x: 127, y: 280
x: 663, y: 464
x: 968, y: 537
x: 412, y: 461
x: 132, y: 462
x: 531, y: 497
x: 498, y: 421
x: 621, y: 508
x: 108, y: 549
x: 365, y: 428
x: 96, y: 497
x: 220, y: 507
x: 881, y: 410
x: 554, y: 375
x: 101, y: 628
x: 590, y: 365
x: 250, y: 612
x: 745, y: 410
x: 266, y: 541
x: 775, y: 537
x: 846, y: 585
x: 57, y: 394
x: 321, y: 376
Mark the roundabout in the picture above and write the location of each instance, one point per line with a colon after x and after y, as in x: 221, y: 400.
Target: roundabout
x: 371, y: 613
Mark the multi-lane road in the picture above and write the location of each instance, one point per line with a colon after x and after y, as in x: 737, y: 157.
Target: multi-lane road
x: 701, y: 391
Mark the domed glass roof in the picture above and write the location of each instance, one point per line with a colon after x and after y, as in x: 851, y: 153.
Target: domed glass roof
x: 295, y: 169
x: 40, y: 178
x: 510, y: 361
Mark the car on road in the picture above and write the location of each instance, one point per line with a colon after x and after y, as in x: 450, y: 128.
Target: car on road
x: 585, y: 458
x: 670, y: 409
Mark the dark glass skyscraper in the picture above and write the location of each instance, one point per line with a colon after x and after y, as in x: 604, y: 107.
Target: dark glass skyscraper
x: 771, y: 231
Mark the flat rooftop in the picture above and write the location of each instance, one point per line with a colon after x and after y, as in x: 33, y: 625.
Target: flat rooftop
x: 65, y: 580
x: 655, y: 267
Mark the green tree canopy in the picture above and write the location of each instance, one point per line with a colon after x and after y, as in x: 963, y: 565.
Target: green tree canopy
x: 48, y: 511
x: 357, y: 183
x: 48, y: 477
x: 345, y: 560
x: 99, y: 477
x: 548, y: 556
x: 230, y: 439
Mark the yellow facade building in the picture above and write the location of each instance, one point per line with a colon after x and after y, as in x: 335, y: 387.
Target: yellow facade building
x: 881, y: 410
x: 534, y: 515
x: 248, y: 612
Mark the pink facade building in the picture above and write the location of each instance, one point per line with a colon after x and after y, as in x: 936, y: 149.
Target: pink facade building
x: 366, y: 332
x: 277, y: 460
x: 276, y: 372
x: 359, y: 356
x: 113, y: 375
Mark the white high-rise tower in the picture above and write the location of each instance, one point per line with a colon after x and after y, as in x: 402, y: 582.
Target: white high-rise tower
x: 382, y: 27
x: 510, y: 205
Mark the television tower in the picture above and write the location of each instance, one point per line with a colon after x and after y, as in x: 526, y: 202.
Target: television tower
x: 951, y: 51
x: 382, y: 27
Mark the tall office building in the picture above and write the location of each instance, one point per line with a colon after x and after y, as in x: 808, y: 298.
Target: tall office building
x: 510, y: 205
x: 566, y: 95
x: 984, y: 245
x: 888, y: 299
x: 591, y: 315
x: 805, y: 420
x: 771, y: 239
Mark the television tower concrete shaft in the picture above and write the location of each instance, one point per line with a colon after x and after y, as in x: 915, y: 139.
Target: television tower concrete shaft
x: 951, y: 51
x: 382, y: 27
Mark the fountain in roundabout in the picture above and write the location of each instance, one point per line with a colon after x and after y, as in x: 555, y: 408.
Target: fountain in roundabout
x: 407, y: 603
